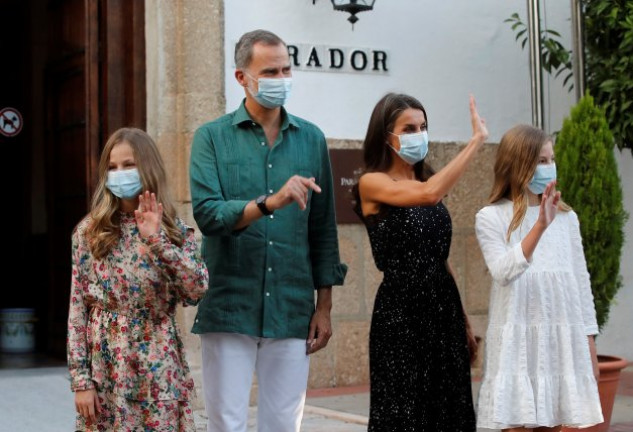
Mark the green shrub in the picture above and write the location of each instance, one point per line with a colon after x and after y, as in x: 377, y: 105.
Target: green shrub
x: 589, y: 181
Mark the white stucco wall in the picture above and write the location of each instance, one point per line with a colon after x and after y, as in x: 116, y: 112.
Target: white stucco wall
x: 617, y: 335
x: 438, y: 52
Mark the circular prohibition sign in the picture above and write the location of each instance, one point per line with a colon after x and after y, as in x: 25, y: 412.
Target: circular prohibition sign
x: 10, y: 122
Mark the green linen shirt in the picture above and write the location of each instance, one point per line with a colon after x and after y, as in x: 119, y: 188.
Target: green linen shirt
x: 262, y: 278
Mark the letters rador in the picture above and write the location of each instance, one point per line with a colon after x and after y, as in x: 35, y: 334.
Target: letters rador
x: 323, y: 58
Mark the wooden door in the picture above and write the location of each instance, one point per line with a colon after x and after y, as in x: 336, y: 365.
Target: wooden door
x: 95, y: 83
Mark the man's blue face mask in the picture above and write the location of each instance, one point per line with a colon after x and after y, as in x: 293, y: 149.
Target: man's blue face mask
x: 272, y: 92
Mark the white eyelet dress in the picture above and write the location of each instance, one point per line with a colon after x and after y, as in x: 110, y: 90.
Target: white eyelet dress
x: 537, y: 366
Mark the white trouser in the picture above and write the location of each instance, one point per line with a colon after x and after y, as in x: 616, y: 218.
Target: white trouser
x: 228, y: 362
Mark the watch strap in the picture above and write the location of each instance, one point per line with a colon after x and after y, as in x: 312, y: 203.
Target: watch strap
x: 261, y: 205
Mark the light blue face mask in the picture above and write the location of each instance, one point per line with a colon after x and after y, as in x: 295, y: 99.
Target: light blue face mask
x: 272, y: 92
x: 543, y: 175
x: 413, y: 146
x: 126, y: 184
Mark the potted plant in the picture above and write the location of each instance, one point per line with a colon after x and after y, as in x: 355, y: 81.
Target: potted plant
x: 588, y: 178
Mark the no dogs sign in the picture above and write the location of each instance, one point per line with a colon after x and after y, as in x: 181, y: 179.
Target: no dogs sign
x: 10, y: 122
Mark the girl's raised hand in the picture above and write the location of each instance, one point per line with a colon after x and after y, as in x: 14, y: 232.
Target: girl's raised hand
x: 480, y: 131
x: 148, y: 215
x: 549, y: 204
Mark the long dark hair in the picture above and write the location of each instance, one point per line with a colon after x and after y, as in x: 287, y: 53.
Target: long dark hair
x: 377, y: 155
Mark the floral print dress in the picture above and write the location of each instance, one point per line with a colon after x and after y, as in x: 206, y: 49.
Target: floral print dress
x: 122, y: 334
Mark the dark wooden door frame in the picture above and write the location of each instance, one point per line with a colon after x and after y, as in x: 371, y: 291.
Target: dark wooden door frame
x: 115, y: 74
x: 93, y: 136
x: 123, y: 65
x: 116, y: 85
x: 110, y: 58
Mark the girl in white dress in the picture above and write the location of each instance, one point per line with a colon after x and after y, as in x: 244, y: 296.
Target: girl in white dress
x: 540, y: 361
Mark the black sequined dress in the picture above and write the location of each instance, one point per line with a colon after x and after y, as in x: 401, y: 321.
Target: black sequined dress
x: 419, y: 362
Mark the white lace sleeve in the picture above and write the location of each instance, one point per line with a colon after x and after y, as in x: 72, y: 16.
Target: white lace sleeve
x: 505, y: 262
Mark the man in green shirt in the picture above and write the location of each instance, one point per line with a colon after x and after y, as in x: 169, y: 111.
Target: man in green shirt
x: 262, y: 195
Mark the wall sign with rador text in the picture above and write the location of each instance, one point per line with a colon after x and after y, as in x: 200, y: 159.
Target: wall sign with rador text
x: 322, y: 58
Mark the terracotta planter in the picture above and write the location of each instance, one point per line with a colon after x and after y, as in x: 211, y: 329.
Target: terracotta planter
x: 610, y: 368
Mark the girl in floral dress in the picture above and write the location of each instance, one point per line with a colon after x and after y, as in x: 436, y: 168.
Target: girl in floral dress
x: 134, y: 262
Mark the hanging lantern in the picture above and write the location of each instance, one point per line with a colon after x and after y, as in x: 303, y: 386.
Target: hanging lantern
x: 353, y: 7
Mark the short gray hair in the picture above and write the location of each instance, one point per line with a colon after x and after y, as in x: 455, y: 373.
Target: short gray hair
x: 244, y: 47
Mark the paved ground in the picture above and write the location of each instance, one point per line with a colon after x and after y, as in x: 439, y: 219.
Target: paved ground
x: 39, y: 399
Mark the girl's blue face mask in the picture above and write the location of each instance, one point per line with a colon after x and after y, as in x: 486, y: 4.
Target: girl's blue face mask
x: 125, y: 184
x: 413, y: 146
x: 544, y: 174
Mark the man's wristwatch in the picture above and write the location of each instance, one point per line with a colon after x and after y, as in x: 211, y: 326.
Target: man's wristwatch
x: 261, y: 205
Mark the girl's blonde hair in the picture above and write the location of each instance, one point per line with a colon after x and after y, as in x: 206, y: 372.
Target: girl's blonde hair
x: 515, y: 163
x: 104, y: 229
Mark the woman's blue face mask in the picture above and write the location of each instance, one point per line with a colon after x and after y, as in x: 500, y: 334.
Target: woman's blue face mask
x: 413, y: 146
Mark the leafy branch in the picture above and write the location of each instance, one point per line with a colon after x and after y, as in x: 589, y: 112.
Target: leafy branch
x: 555, y: 58
x: 609, y: 49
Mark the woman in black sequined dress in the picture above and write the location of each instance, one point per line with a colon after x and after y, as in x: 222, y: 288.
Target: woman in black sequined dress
x: 419, y: 343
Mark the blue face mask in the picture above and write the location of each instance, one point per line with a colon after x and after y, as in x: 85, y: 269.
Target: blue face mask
x: 126, y: 184
x: 272, y: 92
x: 543, y: 175
x: 413, y: 147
